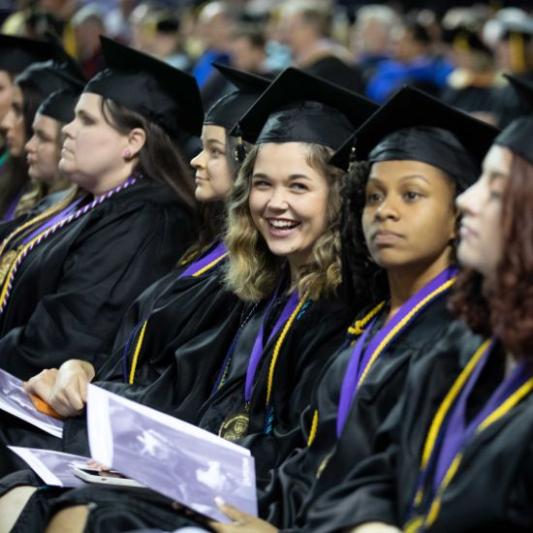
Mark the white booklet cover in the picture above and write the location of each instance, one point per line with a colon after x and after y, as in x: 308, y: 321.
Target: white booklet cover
x: 179, y: 460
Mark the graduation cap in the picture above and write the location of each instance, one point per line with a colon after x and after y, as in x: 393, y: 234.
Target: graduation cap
x: 228, y: 110
x: 523, y: 88
x: 466, y: 39
x: 413, y: 125
x: 517, y: 136
x: 18, y: 53
x: 60, y: 72
x: 299, y: 107
x: 60, y: 105
x: 163, y: 94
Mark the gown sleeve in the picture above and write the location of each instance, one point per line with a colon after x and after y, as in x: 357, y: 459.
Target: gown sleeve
x: 103, y: 272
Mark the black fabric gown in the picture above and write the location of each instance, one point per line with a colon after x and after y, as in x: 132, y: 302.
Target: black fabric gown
x: 310, y: 471
x: 492, y: 490
x: 314, y: 338
x: 191, y: 323
x: 72, y: 289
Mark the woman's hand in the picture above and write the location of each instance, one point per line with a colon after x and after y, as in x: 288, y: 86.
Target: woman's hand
x: 242, y: 522
x: 65, y: 390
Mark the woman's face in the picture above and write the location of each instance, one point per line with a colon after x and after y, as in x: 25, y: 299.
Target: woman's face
x: 13, y: 124
x: 93, y: 151
x: 6, y: 90
x: 409, y: 216
x: 288, y: 201
x: 481, y: 245
x: 42, y: 151
x: 213, y: 173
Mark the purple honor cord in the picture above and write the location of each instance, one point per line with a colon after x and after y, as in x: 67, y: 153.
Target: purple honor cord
x: 457, y: 432
x: 361, y: 357
x: 257, y: 350
x: 218, y: 251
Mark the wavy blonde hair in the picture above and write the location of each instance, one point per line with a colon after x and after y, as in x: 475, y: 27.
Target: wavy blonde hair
x: 253, y: 270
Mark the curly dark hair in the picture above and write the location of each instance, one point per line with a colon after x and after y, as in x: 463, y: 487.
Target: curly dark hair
x: 364, y: 282
x: 505, y: 309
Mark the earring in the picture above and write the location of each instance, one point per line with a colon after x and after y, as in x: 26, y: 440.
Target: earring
x: 126, y: 153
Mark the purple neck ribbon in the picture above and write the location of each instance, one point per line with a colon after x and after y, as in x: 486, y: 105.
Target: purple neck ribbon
x: 457, y: 432
x: 361, y: 356
x: 12, y: 207
x: 215, y: 253
x: 53, y: 221
x: 257, y: 350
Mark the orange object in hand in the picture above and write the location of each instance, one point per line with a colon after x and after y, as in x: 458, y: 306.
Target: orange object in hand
x: 43, y: 407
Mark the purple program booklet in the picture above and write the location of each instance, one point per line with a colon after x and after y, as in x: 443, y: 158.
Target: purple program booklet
x: 54, y: 468
x: 181, y: 461
x: 14, y: 400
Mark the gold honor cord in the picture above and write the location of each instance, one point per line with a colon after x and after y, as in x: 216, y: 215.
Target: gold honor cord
x: 277, y: 348
x: 356, y: 329
x: 426, y: 521
x: 398, y: 328
x: 140, y: 339
x: 211, y: 265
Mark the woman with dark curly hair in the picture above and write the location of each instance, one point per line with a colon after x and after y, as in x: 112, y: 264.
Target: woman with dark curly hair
x: 456, y: 453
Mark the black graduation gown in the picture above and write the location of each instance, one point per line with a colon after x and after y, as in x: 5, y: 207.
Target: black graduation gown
x: 381, y: 486
x: 294, y: 485
x: 191, y: 323
x: 273, y: 433
x: 314, y: 338
x: 71, y: 290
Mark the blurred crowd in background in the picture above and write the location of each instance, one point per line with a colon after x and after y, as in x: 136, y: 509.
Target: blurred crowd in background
x: 457, y: 52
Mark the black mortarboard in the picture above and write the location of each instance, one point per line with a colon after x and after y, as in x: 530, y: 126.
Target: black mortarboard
x: 299, y: 107
x: 413, y: 125
x: 231, y: 107
x: 163, y: 94
x: 60, y: 105
x: 61, y: 72
x: 18, y: 53
x: 517, y: 136
x: 465, y: 38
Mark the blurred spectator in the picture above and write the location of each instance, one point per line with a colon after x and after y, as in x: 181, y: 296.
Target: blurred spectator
x: 472, y: 85
x: 117, y: 23
x: 141, y: 26
x: 371, y: 38
x: 215, y: 27
x: 516, y: 56
x: 413, y: 63
x: 247, y: 49
x: 88, y: 25
x: 166, y: 41
x: 306, y: 29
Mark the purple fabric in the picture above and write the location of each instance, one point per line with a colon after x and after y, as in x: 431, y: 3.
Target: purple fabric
x: 458, y: 432
x: 218, y: 251
x: 361, y: 357
x: 10, y: 212
x: 257, y: 350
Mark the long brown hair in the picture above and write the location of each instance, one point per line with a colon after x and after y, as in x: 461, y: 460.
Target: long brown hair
x: 505, y: 309
x: 159, y: 158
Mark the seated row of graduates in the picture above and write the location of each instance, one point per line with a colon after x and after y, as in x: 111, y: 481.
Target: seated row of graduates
x: 311, y: 324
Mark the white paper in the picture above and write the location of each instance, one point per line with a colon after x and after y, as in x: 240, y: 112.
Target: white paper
x: 181, y: 461
x: 14, y: 400
x: 54, y: 468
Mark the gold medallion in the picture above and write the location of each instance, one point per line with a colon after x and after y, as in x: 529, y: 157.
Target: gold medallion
x: 6, y: 261
x: 235, y: 427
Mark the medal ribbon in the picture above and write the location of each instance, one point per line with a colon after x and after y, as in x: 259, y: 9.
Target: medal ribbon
x: 206, y: 262
x: 449, y: 430
x: 197, y: 268
x: 363, y: 359
x: 44, y: 232
x: 257, y: 351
